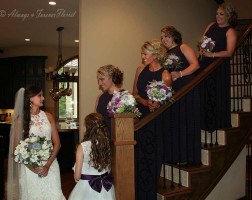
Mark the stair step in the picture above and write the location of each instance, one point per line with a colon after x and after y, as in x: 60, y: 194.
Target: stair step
x: 235, y: 119
x: 238, y: 91
x: 244, y: 104
x: 221, y: 133
x: 238, y: 78
x: 205, y: 157
x: 185, y: 173
x: 187, y: 170
x: 220, y: 136
x: 171, y: 190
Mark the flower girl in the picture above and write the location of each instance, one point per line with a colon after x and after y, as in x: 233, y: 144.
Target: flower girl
x: 93, y: 160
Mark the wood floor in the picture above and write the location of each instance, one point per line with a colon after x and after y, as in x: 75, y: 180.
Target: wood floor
x: 67, y: 183
x: 67, y: 180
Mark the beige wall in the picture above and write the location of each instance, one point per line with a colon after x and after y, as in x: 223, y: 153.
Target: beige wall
x: 52, y: 56
x: 243, y: 8
x: 112, y: 32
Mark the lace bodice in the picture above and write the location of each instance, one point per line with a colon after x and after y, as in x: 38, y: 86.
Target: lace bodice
x: 34, y: 187
x: 40, y: 125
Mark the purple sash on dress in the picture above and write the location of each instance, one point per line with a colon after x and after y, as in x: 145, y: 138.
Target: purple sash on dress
x: 97, y: 181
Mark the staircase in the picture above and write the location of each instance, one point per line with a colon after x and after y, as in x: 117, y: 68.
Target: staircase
x: 220, y: 149
x: 136, y: 167
x: 197, y: 182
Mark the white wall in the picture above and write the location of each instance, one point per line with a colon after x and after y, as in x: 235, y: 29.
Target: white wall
x: 112, y: 32
x: 232, y: 185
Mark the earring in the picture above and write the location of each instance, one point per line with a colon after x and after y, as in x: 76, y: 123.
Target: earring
x: 30, y: 105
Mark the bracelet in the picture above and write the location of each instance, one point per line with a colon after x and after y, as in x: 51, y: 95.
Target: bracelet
x: 181, y: 75
x: 213, y: 54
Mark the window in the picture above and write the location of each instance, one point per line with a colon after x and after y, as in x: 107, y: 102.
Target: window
x: 68, y: 104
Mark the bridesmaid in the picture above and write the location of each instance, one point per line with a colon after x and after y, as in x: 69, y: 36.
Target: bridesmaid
x: 149, y: 148
x: 215, y: 90
x: 152, y: 52
x: 183, y: 143
x: 110, y: 79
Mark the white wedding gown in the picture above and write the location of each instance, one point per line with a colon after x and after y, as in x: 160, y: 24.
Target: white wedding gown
x: 32, y: 186
x: 82, y: 190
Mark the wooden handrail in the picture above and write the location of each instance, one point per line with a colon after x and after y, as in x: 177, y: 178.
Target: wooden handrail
x: 182, y: 92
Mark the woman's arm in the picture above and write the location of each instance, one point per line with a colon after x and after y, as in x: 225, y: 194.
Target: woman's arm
x: 78, y: 163
x: 56, y: 147
x: 167, y: 78
x: 135, y: 90
x: 191, y: 57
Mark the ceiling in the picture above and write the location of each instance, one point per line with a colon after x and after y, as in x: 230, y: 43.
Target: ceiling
x: 37, y: 20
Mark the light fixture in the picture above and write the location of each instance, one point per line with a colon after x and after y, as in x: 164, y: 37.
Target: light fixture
x: 52, y: 3
x: 53, y: 73
x: 60, y: 72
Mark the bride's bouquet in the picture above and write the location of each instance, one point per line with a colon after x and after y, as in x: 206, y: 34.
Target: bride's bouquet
x: 123, y: 102
x: 172, y: 62
x: 206, y: 44
x: 33, y: 151
x: 160, y: 92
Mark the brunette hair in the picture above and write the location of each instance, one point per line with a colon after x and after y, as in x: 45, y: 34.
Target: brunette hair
x: 154, y: 47
x: 171, y: 31
x: 112, y: 72
x: 230, y: 12
x: 30, y: 91
x: 97, y: 133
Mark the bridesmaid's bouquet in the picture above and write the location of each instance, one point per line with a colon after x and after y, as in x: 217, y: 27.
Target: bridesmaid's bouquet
x: 160, y: 92
x: 33, y: 151
x: 172, y: 62
x: 123, y: 102
x: 206, y: 44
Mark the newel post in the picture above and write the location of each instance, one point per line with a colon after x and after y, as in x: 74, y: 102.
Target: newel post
x: 123, y: 155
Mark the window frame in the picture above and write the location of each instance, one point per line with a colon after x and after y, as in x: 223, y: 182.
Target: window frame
x: 72, y: 79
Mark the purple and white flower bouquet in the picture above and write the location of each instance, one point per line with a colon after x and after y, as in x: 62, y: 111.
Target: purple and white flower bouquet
x: 206, y: 44
x: 123, y: 102
x: 160, y: 92
x: 172, y: 62
x: 33, y: 151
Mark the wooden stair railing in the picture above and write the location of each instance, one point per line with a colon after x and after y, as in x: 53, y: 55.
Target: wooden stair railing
x: 123, y: 128
x: 182, y: 92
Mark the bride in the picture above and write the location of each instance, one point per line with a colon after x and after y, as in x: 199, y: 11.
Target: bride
x: 26, y: 182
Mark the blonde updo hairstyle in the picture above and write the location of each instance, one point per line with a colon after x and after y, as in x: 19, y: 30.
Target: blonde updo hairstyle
x: 112, y: 72
x: 154, y: 47
x: 230, y: 12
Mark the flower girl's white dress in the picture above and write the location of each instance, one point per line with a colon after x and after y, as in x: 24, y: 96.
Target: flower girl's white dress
x: 32, y: 186
x: 82, y: 189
